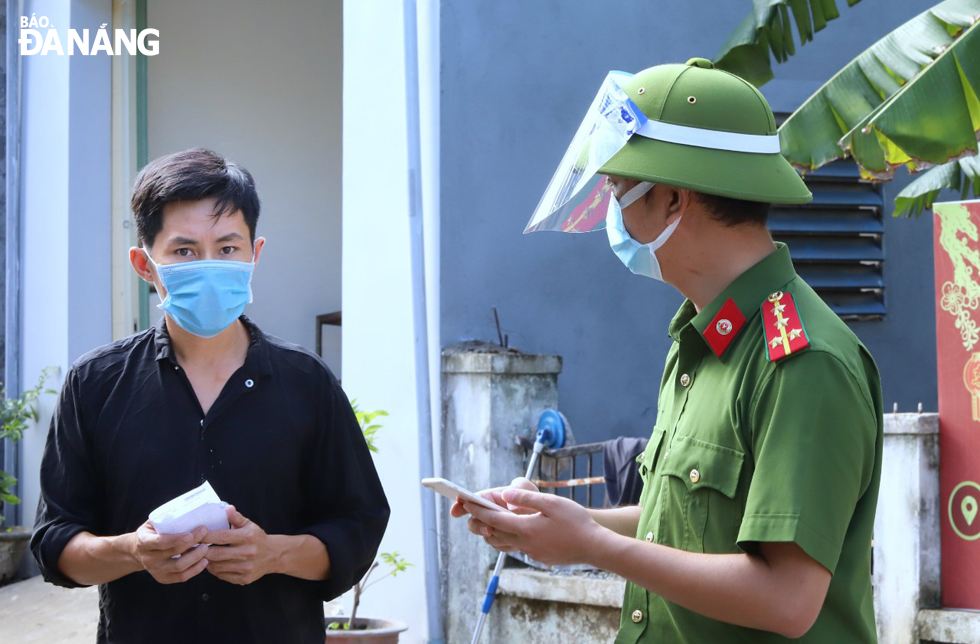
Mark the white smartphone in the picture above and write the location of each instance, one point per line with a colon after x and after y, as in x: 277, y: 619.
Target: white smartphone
x: 452, y: 491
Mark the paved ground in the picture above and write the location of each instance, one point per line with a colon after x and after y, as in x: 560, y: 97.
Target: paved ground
x: 32, y: 612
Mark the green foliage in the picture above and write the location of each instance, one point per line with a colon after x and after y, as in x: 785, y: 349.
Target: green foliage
x: 962, y: 175
x: 368, y: 427
x: 397, y: 563
x: 15, y: 415
x: 768, y: 28
x: 909, y: 99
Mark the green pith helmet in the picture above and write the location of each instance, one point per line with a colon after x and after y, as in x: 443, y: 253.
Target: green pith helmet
x: 695, y: 95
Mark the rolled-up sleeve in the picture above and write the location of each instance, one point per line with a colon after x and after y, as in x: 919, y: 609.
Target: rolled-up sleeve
x: 69, y: 492
x: 345, y: 494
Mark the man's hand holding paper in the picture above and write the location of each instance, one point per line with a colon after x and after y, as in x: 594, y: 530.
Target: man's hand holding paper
x: 170, y: 558
x: 248, y: 553
x: 169, y: 545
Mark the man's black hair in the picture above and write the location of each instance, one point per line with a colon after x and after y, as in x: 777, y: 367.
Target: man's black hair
x: 734, y: 212
x: 191, y: 175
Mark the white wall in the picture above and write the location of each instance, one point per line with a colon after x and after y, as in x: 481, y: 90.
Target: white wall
x: 65, y: 190
x: 260, y: 82
x: 378, y: 328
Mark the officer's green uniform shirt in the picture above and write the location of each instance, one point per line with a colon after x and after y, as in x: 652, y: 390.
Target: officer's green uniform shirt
x: 746, y: 450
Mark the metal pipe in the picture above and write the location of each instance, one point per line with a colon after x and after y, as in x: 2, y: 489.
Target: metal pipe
x: 495, y: 577
x: 12, y: 308
x: 421, y: 326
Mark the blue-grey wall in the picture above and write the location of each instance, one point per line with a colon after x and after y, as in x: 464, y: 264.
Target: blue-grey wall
x: 516, y: 79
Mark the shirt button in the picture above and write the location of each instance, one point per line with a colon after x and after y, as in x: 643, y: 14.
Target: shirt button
x: 649, y: 537
x: 641, y: 456
x: 249, y: 383
x: 695, y: 476
x: 205, y: 597
x: 637, y: 616
x: 685, y: 380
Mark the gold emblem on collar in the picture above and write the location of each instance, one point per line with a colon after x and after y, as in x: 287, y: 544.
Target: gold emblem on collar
x: 775, y: 297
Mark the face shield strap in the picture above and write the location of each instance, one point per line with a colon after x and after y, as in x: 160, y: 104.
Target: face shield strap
x: 711, y: 139
x: 634, y: 193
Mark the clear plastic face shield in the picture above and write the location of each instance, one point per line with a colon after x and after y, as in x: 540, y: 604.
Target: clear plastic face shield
x: 577, y: 198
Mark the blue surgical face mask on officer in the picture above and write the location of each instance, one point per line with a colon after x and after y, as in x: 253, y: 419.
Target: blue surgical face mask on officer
x: 641, y: 259
x: 204, y: 297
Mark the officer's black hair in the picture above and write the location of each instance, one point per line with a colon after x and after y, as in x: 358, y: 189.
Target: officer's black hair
x: 734, y: 212
x: 191, y: 175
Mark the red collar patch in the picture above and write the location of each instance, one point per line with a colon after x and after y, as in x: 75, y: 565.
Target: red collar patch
x: 724, y: 327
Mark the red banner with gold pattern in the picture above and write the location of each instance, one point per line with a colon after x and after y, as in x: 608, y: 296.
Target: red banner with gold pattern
x: 957, y: 254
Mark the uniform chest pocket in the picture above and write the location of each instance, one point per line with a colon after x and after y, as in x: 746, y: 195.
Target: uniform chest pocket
x: 648, y: 458
x: 701, y: 508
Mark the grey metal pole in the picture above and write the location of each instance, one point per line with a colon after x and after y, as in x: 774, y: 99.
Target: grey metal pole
x: 495, y: 577
x: 11, y: 376
x: 421, y: 326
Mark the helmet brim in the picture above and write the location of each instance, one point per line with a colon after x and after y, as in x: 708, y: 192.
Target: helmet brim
x: 738, y: 175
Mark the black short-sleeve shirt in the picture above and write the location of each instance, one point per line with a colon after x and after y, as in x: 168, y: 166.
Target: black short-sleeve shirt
x: 281, y: 443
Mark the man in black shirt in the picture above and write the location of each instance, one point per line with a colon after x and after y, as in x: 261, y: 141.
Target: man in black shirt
x: 205, y: 395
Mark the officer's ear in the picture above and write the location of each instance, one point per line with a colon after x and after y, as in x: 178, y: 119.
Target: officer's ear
x: 679, y: 201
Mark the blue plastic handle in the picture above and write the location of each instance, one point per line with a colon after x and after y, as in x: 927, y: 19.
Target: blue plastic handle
x: 491, y: 593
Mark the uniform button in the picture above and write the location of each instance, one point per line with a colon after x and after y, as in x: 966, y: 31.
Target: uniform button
x: 649, y: 537
x: 695, y: 476
x: 205, y: 597
x: 685, y: 380
x: 249, y: 383
x: 637, y: 616
x: 641, y: 456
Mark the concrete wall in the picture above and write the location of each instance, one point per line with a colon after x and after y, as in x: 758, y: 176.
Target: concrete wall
x: 516, y: 80
x: 490, y: 397
x: 379, y: 366
x: 906, y: 534
x: 260, y: 82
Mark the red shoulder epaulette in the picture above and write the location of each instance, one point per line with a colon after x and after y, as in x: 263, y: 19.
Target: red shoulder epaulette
x: 783, y: 327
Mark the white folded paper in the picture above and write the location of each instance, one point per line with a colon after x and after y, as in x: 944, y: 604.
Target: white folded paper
x: 191, y: 510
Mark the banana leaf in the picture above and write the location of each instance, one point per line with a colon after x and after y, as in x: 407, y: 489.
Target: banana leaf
x: 962, y: 174
x: 910, y: 99
x: 768, y: 28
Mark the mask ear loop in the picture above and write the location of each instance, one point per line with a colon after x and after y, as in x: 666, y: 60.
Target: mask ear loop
x: 165, y: 300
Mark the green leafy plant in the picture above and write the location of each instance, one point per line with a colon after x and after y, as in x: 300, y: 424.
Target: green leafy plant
x: 395, y: 563
x: 768, y: 28
x: 15, y: 415
x: 910, y: 99
x: 368, y: 427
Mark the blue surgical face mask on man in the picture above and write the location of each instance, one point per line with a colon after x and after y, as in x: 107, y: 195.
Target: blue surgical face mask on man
x: 641, y: 259
x: 205, y: 297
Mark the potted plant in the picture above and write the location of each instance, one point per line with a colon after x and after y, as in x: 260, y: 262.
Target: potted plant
x: 363, y: 630
x: 15, y: 413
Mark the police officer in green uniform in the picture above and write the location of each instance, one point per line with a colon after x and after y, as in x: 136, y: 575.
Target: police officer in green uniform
x: 761, y: 476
